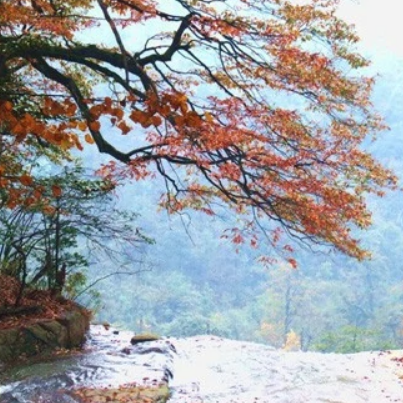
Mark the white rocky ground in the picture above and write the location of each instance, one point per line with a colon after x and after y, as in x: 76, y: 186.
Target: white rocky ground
x: 210, y: 369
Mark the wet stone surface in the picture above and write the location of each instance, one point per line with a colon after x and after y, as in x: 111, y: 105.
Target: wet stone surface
x: 109, y: 360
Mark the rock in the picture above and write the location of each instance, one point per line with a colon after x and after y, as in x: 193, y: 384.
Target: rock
x: 44, y: 336
x: 77, y: 324
x: 142, y: 338
x: 126, y: 350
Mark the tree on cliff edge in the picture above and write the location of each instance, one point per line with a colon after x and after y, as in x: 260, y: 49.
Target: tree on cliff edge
x: 259, y: 105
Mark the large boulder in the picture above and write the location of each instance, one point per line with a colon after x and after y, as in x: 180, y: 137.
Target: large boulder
x: 66, y: 331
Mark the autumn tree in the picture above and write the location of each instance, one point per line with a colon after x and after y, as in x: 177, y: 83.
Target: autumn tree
x: 260, y: 105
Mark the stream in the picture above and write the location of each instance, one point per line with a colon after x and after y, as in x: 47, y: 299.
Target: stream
x: 108, y: 360
x: 208, y: 369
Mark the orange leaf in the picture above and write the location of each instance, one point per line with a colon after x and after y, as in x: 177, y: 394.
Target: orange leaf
x: 124, y: 127
x: 108, y: 102
x: 26, y: 180
x: 118, y: 113
x: 293, y: 263
x: 49, y: 210
x: 56, y: 191
x: 95, y: 126
x: 237, y: 239
x: 82, y: 126
x: 138, y: 116
x: 8, y: 106
x: 71, y: 110
x: 89, y: 139
x: 156, y: 120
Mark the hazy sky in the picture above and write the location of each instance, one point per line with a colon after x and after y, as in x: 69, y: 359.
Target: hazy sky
x: 378, y: 22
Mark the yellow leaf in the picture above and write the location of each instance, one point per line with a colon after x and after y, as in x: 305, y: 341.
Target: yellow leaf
x: 209, y: 117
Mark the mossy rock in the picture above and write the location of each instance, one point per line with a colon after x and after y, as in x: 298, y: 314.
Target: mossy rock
x: 126, y: 393
x: 142, y: 338
x: 8, y: 339
x: 44, y: 336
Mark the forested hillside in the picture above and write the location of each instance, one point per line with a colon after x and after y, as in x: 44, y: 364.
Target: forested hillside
x: 198, y: 283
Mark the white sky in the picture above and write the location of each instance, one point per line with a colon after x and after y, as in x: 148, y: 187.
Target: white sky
x: 378, y: 22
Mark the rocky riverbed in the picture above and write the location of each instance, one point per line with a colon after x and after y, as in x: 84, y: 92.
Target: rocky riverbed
x: 210, y: 369
x: 204, y: 369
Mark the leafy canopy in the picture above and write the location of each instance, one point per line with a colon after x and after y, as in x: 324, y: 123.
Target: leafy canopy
x: 256, y: 104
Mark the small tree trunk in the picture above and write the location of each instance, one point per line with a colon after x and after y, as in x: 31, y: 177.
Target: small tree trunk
x: 23, y: 274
